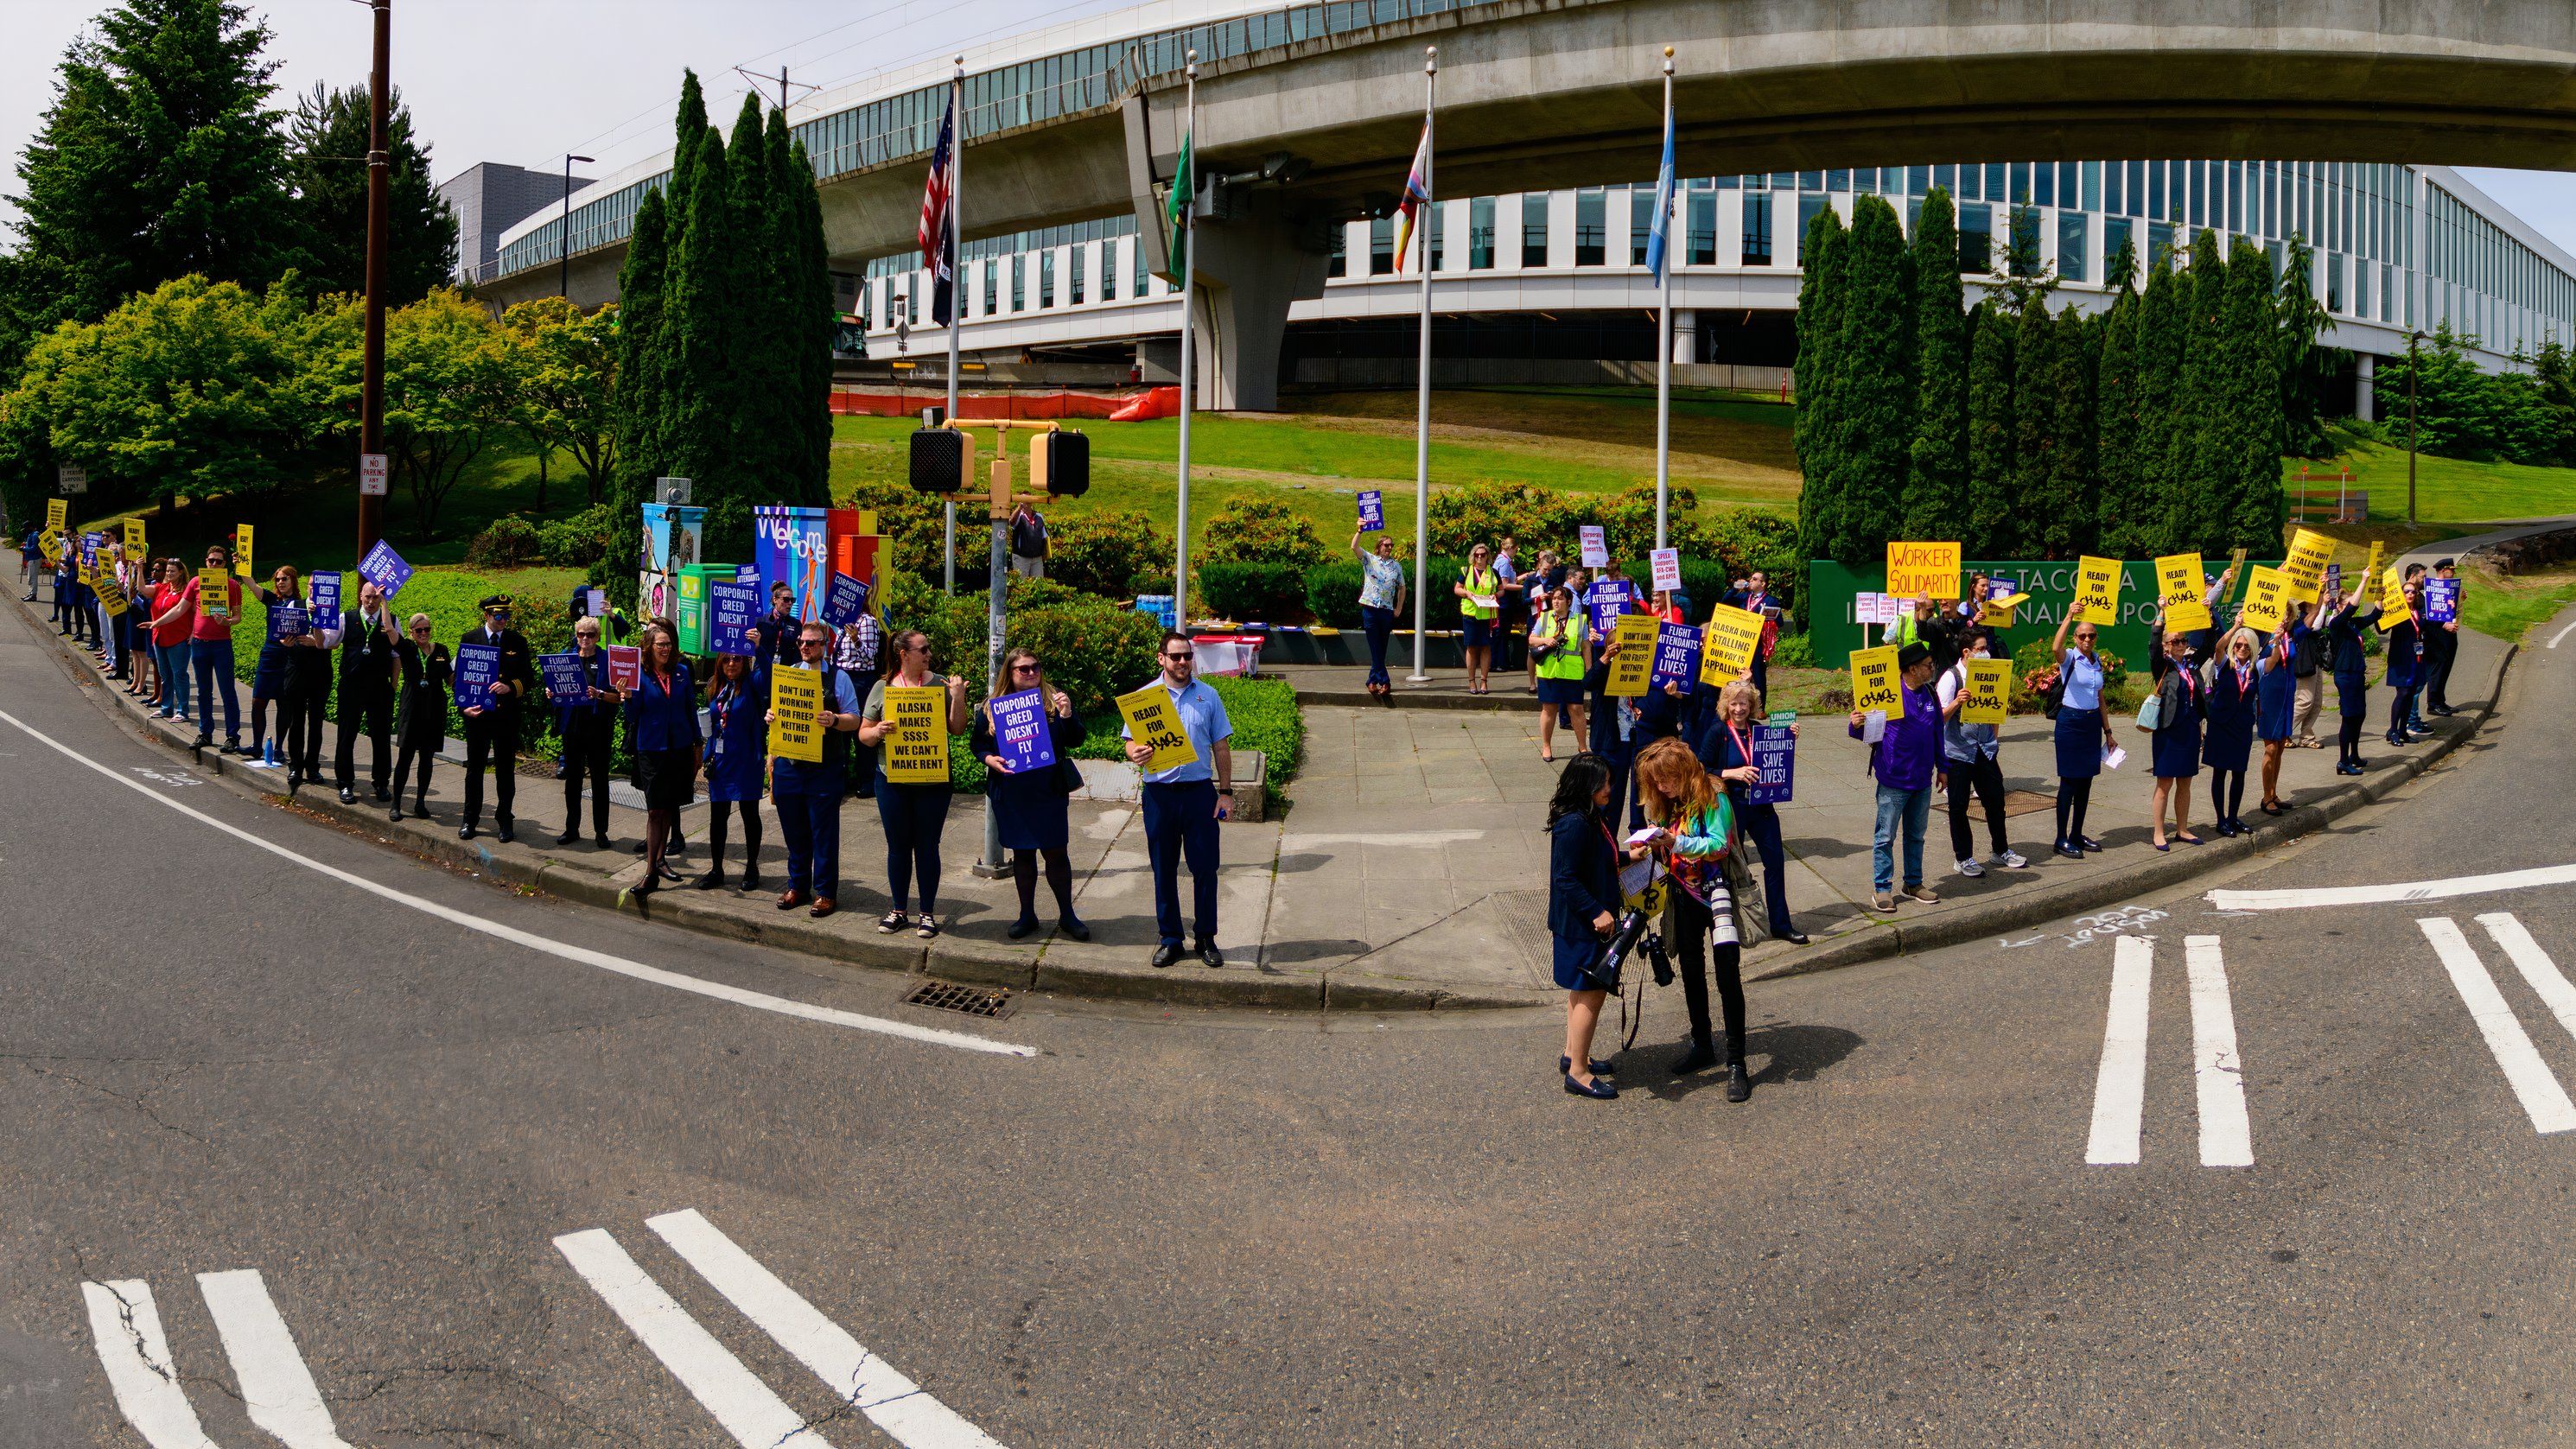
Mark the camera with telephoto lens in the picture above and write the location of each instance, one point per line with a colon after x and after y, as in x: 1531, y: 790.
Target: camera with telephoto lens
x: 1626, y: 937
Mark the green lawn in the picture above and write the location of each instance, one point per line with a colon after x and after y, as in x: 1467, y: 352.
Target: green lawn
x: 2449, y: 489
x: 2508, y: 608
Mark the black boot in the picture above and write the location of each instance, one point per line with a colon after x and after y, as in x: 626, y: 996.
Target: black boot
x: 1701, y: 1056
x: 1739, y: 1083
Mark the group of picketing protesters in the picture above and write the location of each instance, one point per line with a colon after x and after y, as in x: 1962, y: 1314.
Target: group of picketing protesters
x: 689, y: 725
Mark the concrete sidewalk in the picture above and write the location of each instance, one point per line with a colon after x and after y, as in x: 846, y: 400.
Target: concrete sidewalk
x: 1408, y: 869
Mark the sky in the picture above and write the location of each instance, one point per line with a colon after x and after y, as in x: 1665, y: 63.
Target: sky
x: 525, y: 81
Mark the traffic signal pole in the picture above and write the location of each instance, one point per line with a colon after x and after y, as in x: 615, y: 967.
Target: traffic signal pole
x: 371, y: 386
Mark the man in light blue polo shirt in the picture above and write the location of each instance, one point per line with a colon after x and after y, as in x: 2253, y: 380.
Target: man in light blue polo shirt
x: 1184, y: 804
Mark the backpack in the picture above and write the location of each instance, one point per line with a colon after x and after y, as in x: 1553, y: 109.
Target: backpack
x: 2055, y: 699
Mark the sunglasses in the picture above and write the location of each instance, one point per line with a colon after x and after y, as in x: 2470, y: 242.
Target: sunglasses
x: 1178, y: 658
x: 1024, y: 669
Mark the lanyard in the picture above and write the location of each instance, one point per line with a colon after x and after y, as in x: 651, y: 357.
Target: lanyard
x: 1742, y: 746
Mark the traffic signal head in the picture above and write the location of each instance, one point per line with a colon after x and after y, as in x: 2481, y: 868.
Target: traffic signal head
x: 1060, y: 463
x: 942, y: 460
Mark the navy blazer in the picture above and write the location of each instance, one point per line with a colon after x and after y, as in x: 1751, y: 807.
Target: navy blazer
x: 1582, y: 875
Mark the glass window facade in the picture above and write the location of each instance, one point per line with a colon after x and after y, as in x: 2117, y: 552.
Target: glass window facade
x: 1534, y: 230
x: 1757, y: 230
x: 1591, y: 228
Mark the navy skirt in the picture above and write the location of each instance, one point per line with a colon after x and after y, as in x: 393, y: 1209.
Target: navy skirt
x: 2177, y: 750
x: 1029, y: 809
x: 1559, y: 691
x: 2275, y: 703
x: 2352, y: 694
x: 1479, y: 633
x: 2079, y: 743
x: 268, y: 681
x: 1576, y: 960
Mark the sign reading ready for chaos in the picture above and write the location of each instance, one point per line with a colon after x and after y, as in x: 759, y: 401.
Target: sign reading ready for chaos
x: 2050, y: 585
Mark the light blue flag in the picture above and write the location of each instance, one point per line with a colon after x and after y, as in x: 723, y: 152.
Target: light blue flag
x: 1659, y: 239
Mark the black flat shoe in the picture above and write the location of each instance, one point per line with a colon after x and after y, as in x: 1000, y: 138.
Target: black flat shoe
x: 569, y: 837
x: 1739, y: 1083
x: 1210, y: 956
x: 1073, y: 926
x: 348, y: 796
x: 1165, y: 955
x: 465, y: 831
x: 751, y: 880
x: 2070, y: 852
x: 712, y: 880
x: 1599, y: 1067
x: 397, y: 810
x: 601, y: 841
x: 1599, y: 1091
x: 2091, y: 844
x: 1701, y: 1056
x: 1023, y: 928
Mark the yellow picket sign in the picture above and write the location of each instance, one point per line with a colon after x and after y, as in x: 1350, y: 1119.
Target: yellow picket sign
x: 1875, y: 682
x: 2393, y: 609
x: 134, y: 548
x: 1727, y: 645
x: 111, y: 594
x: 916, y: 737
x: 1152, y: 719
x: 795, y: 714
x: 1923, y: 568
x: 2310, y: 552
x: 1997, y: 611
x: 52, y: 544
x: 58, y: 514
x: 2236, y: 567
x: 241, y: 549
x: 2267, y: 600
x: 2178, y: 588
x: 1634, y: 637
x: 2370, y: 567
x: 1989, y: 693
x: 2097, y: 590
x: 214, y: 594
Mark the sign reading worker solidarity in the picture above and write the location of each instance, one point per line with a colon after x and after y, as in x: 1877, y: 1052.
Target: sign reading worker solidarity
x: 2178, y: 588
x: 1633, y: 635
x: 1874, y: 681
x: 731, y: 611
x: 796, y: 714
x: 1676, y: 656
x: 1728, y: 643
x: 1020, y: 733
x: 916, y: 737
x: 2267, y: 600
x: 1923, y: 568
x: 2441, y: 601
x: 324, y: 596
x: 385, y: 569
x: 564, y: 684
x: 844, y: 601
x: 1988, y: 693
x: 478, y: 668
x: 1372, y: 511
x: 1152, y: 720
x: 1775, y: 754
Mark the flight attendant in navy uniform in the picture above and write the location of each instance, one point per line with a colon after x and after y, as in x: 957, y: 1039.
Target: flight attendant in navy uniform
x: 737, y: 763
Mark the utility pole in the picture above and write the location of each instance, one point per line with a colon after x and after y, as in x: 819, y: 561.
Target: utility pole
x: 2412, y: 337
x: 371, y: 387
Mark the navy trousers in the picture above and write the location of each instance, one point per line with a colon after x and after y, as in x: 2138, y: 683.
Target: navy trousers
x: 812, y: 825
x: 1180, y: 824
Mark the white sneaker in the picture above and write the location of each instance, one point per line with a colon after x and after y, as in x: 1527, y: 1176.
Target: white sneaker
x: 2011, y: 860
x: 1970, y: 868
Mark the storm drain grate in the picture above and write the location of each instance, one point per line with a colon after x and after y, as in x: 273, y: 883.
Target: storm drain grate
x: 984, y: 1001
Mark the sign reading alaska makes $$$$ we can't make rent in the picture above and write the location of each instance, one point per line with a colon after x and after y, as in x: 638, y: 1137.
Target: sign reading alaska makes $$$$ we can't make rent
x: 916, y: 738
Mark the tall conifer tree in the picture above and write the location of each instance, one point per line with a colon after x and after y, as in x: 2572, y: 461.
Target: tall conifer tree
x: 2251, y: 510
x: 2190, y: 492
x: 1816, y: 429
x: 2162, y: 314
x: 2116, y: 402
x: 1936, y: 477
x: 1990, y: 531
x: 2034, y: 421
x: 2066, y: 525
x: 1875, y: 384
x: 811, y: 320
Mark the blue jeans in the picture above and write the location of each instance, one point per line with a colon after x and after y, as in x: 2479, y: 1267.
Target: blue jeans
x: 914, y: 817
x: 1915, y: 808
x: 213, y: 661
x: 1379, y: 625
x: 173, y: 659
x: 812, y: 825
x: 1180, y: 824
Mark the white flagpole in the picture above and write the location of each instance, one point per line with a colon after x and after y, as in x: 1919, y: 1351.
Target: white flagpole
x: 956, y: 290
x: 1189, y: 297
x: 1422, y: 403
x: 1664, y: 335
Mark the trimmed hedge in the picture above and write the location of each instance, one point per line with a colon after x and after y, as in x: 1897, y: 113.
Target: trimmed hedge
x: 1272, y: 592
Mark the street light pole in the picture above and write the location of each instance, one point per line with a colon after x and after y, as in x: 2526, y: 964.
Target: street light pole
x: 2412, y: 368
x: 371, y: 385
x: 563, y: 231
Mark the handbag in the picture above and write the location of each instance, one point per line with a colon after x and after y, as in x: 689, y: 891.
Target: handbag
x: 1752, y: 916
x: 2152, y: 713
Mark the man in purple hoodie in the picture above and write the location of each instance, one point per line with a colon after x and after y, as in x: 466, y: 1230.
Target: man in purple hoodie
x: 1906, y: 762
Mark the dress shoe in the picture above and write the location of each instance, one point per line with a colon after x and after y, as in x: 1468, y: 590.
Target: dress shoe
x: 823, y: 907
x: 1701, y: 1056
x: 1073, y: 926
x: 508, y: 832
x: 397, y: 810
x: 1739, y: 1083
x: 383, y: 794
x: 712, y: 880
x: 790, y: 898
x: 1794, y: 938
x: 348, y: 796
x: 1023, y: 928
x: 750, y: 879
x: 568, y: 838
x: 601, y: 841
x: 465, y: 831
x: 1598, y: 1090
x: 1211, y: 955
x: 1165, y: 955
x: 1599, y: 1067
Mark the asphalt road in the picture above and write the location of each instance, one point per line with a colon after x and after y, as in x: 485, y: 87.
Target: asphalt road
x: 1190, y: 1229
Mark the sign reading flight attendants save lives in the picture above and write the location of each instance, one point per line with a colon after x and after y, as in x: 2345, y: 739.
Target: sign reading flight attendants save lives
x: 1608, y: 599
x: 1676, y: 656
x: 916, y: 737
x: 564, y: 682
x: 1152, y: 720
x: 1923, y: 568
x: 795, y: 714
x: 1775, y: 754
x: 2441, y: 600
x: 1372, y: 511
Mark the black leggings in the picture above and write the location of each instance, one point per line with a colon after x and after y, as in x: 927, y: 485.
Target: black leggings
x: 1985, y: 778
x: 2073, y: 795
x: 427, y: 754
x: 2350, y: 739
x: 2401, y: 710
x: 1059, y: 878
x: 2226, y: 792
x: 1691, y: 948
x: 717, y: 817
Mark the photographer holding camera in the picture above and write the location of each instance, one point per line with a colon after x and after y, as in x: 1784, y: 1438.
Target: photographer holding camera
x: 1694, y: 829
x: 1583, y: 909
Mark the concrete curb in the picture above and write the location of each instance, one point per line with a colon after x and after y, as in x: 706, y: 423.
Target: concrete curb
x: 953, y: 958
x: 1400, y: 699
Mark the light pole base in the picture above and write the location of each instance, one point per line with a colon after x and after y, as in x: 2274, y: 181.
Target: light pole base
x: 1417, y: 679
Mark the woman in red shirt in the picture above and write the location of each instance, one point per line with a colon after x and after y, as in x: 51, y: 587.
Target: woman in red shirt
x: 168, y: 609
x: 210, y: 654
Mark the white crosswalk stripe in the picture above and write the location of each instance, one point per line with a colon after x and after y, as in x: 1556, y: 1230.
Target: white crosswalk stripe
x: 2543, y: 1100
x: 2119, y: 1089
x: 2537, y: 969
x: 277, y: 1390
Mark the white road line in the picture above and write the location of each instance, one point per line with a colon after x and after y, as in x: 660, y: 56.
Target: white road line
x: 857, y: 1377
x: 2120, y: 1091
x: 136, y: 1355
x: 2407, y: 891
x: 2547, y: 982
x: 932, y: 1036
x: 2561, y: 634
x: 2226, y: 1139
x: 277, y: 1390
x: 2543, y: 1100
x: 755, y: 1417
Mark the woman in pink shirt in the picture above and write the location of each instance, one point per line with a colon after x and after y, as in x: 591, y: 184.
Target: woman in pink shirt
x: 210, y: 654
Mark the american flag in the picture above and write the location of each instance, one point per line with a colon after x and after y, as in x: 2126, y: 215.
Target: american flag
x: 938, y: 198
